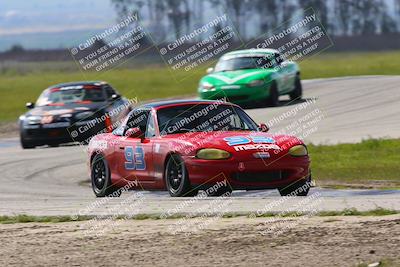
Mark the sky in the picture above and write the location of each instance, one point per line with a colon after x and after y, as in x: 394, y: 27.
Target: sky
x: 60, y: 23
x: 51, y: 23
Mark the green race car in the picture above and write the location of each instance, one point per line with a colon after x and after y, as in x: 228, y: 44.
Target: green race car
x: 250, y: 76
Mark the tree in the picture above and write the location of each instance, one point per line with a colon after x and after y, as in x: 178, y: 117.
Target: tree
x: 269, y: 14
x: 238, y: 8
x: 16, y: 48
x: 321, y: 10
x: 178, y: 13
x: 288, y: 8
x: 344, y: 12
x: 388, y: 23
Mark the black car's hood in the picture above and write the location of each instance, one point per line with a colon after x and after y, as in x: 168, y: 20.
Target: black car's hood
x: 70, y: 108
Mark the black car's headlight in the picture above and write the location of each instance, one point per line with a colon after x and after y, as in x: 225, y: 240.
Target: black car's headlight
x: 298, y: 151
x: 212, y: 153
x: 32, y: 119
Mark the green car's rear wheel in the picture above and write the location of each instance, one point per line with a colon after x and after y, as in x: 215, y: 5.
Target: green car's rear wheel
x: 273, y: 99
x: 297, y: 92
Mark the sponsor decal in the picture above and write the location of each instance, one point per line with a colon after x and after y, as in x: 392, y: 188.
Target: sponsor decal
x: 262, y: 155
x: 31, y: 126
x: 99, y: 145
x: 46, y: 119
x: 56, y: 125
x: 157, y: 148
x: 256, y: 147
x: 230, y: 87
x: 241, y: 140
x: 52, y: 112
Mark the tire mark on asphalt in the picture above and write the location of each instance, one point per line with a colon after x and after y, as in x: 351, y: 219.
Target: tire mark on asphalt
x: 20, y: 160
x: 68, y: 164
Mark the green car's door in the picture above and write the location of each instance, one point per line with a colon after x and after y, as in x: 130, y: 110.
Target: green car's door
x: 280, y: 75
x: 290, y: 72
x: 287, y: 74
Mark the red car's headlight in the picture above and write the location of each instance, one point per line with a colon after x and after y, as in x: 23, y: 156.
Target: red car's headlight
x: 298, y: 151
x: 212, y: 153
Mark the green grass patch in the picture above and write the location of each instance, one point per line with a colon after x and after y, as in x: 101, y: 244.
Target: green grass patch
x: 346, y: 212
x: 371, y: 161
x: 354, y: 212
x: 16, y: 90
x: 23, y: 82
x: 328, y: 65
x: 23, y: 218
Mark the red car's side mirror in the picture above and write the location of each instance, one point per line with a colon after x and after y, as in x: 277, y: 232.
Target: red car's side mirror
x: 134, y: 133
x: 263, y: 127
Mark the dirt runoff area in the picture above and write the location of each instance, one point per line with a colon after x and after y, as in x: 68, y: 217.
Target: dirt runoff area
x: 315, y: 241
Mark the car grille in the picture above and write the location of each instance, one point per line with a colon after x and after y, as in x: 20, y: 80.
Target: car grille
x: 260, y: 176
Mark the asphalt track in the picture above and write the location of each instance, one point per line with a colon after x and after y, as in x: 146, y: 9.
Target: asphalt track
x: 51, y: 181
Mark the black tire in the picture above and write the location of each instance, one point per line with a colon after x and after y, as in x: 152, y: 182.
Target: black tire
x: 101, y: 178
x: 177, y: 178
x: 192, y: 193
x: 297, y: 92
x: 220, y: 191
x: 54, y: 145
x: 273, y: 99
x: 296, y: 188
x: 27, y: 144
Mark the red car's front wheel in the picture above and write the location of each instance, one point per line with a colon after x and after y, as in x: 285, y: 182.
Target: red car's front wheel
x: 100, y: 178
x: 176, y: 178
x: 298, y: 188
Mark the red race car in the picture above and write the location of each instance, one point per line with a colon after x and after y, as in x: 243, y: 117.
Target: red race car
x: 190, y: 145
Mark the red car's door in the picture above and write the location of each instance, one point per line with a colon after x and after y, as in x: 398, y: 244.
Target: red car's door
x: 135, y: 159
x: 135, y: 155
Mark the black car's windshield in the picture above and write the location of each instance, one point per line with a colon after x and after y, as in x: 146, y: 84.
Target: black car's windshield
x: 239, y: 63
x: 72, y: 94
x: 203, y: 117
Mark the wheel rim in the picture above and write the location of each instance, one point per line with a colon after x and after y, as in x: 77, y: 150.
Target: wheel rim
x: 175, y: 174
x: 99, y: 174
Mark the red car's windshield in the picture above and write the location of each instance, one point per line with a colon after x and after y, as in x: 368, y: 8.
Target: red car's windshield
x: 71, y: 94
x: 203, y: 117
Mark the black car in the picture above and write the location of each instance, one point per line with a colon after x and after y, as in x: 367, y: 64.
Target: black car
x: 72, y: 112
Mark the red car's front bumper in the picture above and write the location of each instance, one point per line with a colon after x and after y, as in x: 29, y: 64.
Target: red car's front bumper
x: 250, y: 174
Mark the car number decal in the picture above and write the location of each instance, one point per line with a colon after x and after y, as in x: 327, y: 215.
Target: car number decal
x: 134, y: 158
